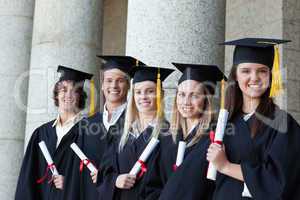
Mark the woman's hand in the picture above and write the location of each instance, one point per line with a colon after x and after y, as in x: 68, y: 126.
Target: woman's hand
x: 125, y: 181
x: 58, y: 181
x: 217, y: 156
x: 94, y: 176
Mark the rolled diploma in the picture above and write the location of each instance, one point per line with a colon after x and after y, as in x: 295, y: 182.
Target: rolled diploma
x: 219, y: 135
x: 83, y: 157
x: 144, y: 156
x: 48, y: 158
x: 180, y: 153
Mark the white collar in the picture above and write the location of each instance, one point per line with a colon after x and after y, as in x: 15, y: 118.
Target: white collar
x: 72, y: 120
x: 116, y: 111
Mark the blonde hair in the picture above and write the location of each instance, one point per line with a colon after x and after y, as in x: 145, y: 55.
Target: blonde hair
x: 132, y: 115
x: 178, y: 122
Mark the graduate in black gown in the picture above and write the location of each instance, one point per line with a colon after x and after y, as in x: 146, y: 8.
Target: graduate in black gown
x: 260, y: 156
x: 58, y: 134
x: 144, y: 120
x: 104, y: 128
x: 192, y: 118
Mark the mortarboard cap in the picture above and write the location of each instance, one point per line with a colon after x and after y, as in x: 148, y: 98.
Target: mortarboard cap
x: 201, y: 73
x: 72, y: 74
x: 254, y: 50
x: 123, y: 63
x: 148, y: 73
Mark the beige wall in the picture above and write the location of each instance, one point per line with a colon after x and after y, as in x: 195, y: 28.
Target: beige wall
x: 114, y: 26
x: 270, y: 19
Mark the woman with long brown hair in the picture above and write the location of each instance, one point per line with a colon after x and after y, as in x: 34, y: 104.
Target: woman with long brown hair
x: 259, y: 157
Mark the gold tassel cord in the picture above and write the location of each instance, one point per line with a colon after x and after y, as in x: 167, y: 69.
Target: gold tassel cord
x: 92, y: 98
x: 276, y: 85
x: 158, y: 95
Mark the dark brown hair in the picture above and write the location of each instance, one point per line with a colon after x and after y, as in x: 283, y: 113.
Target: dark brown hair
x: 234, y: 102
x: 79, y: 90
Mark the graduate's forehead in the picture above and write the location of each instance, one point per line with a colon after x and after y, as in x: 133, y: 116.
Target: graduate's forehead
x: 144, y: 85
x: 190, y: 86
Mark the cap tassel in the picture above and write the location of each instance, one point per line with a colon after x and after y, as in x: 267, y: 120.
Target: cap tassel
x: 276, y: 85
x: 158, y: 95
x: 92, y: 98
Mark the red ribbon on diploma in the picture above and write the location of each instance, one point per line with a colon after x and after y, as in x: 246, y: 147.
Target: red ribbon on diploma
x: 143, y: 169
x: 212, y: 138
x: 83, y: 163
x: 41, y: 180
x: 174, y: 167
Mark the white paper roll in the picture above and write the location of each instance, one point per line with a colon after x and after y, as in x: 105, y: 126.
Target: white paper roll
x: 83, y: 157
x: 180, y: 153
x: 144, y: 156
x: 219, y: 135
x: 48, y: 157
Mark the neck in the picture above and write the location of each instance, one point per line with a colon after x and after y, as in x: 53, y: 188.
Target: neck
x: 190, y: 123
x: 65, y: 116
x: 111, y: 106
x: 250, y: 104
x: 146, y: 118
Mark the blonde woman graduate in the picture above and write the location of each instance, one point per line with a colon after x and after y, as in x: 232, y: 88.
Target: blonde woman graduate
x: 144, y: 120
x: 191, y: 123
x: 260, y: 158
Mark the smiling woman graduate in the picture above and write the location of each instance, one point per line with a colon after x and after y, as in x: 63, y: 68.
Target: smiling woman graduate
x: 144, y: 120
x: 260, y: 159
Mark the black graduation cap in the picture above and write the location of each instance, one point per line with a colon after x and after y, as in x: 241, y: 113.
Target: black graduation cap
x: 254, y: 50
x: 149, y: 73
x: 201, y: 73
x: 123, y: 63
x: 72, y: 74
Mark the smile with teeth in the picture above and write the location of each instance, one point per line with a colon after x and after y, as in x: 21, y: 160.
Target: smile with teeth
x: 187, y: 109
x: 144, y: 103
x: 255, y: 86
x: 114, y: 92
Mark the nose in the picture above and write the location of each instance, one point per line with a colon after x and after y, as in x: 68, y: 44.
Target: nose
x: 187, y: 100
x: 254, y: 76
x: 114, y: 84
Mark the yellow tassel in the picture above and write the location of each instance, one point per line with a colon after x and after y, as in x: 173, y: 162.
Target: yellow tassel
x: 276, y: 85
x: 158, y: 95
x: 222, y: 104
x: 92, y: 98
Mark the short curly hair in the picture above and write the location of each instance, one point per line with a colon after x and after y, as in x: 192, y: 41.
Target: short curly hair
x: 79, y: 90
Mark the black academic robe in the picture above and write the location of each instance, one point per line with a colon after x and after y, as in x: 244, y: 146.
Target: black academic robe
x: 34, y: 166
x: 269, y: 161
x: 97, y: 140
x: 116, y: 163
x: 188, y: 181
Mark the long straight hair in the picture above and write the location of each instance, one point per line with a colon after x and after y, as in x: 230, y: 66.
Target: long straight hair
x: 132, y: 115
x: 234, y: 102
x: 179, y: 123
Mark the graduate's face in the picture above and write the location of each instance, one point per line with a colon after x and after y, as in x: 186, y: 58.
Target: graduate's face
x: 145, y: 97
x: 115, y: 86
x: 68, y: 96
x: 253, y: 79
x: 190, y: 99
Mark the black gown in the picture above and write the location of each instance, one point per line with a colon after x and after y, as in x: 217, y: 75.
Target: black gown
x: 34, y: 166
x: 188, y: 181
x: 97, y: 140
x: 269, y: 161
x: 120, y: 163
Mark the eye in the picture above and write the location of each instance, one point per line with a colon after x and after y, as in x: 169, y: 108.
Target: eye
x: 180, y: 94
x: 263, y: 71
x: 108, y: 80
x: 137, y: 92
x: 245, y: 71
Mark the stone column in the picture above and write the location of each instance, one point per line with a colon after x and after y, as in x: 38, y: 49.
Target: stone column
x: 15, y: 41
x: 161, y: 32
x: 66, y: 33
